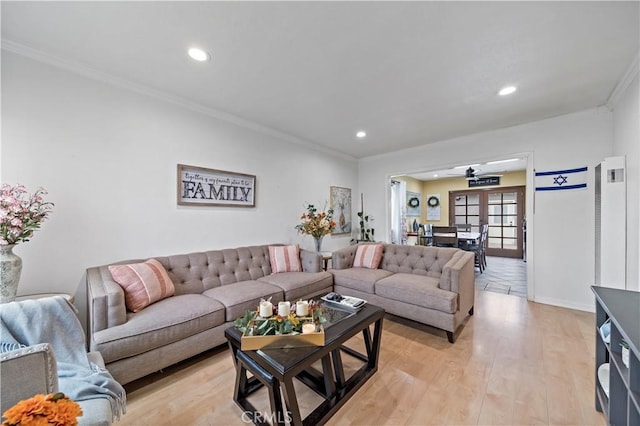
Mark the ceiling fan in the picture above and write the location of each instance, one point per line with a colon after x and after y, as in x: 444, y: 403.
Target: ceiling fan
x: 471, y: 174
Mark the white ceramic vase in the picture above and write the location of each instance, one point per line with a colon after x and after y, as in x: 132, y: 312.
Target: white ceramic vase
x: 10, y: 269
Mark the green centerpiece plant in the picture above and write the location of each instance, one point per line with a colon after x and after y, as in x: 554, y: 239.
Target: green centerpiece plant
x: 252, y: 324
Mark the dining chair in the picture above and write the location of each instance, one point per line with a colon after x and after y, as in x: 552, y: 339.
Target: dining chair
x: 445, y: 236
x: 479, y: 248
x: 462, y: 243
x: 484, y: 236
x: 463, y: 227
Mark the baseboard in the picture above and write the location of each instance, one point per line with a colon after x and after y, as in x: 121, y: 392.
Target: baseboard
x: 565, y: 304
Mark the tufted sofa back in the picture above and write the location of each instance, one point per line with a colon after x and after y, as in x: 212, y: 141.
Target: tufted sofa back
x: 419, y: 260
x: 197, y: 272
x: 436, y: 262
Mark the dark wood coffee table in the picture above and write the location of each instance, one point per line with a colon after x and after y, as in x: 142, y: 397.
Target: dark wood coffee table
x: 276, y: 368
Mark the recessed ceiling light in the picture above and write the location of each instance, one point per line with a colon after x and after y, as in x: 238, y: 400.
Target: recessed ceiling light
x: 361, y: 134
x: 507, y: 90
x: 199, y: 54
x: 435, y: 175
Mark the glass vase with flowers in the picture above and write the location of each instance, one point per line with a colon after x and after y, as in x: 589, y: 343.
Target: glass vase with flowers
x: 20, y: 216
x: 317, y: 224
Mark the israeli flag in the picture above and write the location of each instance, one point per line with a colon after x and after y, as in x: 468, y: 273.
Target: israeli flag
x: 561, y: 179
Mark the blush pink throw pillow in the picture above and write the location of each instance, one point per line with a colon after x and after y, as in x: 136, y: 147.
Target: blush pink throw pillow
x: 143, y: 283
x: 285, y: 259
x: 368, y: 256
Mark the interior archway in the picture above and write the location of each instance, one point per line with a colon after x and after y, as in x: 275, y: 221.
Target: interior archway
x: 512, y: 170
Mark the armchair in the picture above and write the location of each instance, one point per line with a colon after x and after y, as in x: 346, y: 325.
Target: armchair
x: 32, y: 370
x: 42, y: 351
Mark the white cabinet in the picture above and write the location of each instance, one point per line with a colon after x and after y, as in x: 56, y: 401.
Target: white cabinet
x: 610, y: 223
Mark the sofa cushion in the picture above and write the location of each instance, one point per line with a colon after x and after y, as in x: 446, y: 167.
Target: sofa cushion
x: 284, y: 259
x: 417, y: 290
x: 244, y: 296
x: 167, y: 321
x: 297, y: 285
x: 143, y: 283
x: 368, y: 256
x: 361, y: 279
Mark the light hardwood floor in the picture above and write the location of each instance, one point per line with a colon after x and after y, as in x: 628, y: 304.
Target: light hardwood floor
x: 516, y: 362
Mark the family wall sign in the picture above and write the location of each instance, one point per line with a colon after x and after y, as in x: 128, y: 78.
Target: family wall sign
x: 208, y: 187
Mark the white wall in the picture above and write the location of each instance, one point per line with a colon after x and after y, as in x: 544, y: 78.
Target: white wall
x: 108, y: 159
x: 626, y: 141
x: 560, y: 224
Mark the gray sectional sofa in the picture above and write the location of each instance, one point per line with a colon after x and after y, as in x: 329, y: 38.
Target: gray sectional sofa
x: 430, y: 285
x: 211, y: 290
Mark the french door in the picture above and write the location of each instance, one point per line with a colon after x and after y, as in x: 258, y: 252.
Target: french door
x: 501, y: 208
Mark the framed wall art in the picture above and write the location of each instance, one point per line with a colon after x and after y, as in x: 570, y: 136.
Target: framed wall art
x: 198, y: 186
x: 433, y: 206
x: 414, y: 204
x: 341, y: 204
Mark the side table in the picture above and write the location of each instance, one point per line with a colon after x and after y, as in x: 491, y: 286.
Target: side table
x: 69, y: 297
x: 326, y: 257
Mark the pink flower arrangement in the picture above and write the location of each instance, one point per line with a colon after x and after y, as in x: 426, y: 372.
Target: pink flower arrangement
x: 20, y: 215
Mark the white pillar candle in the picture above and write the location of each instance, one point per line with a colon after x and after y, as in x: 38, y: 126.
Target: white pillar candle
x: 284, y: 308
x: 266, y: 309
x: 302, y: 308
x: 308, y: 328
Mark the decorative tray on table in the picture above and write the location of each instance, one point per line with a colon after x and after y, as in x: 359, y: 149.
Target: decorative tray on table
x: 338, y: 301
x: 288, y: 325
x: 290, y: 340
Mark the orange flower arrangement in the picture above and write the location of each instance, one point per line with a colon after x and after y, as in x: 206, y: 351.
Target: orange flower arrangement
x: 52, y: 409
x: 316, y: 224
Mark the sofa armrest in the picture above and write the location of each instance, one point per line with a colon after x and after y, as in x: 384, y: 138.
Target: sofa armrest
x: 105, y: 301
x: 343, y: 258
x: 311, y: 261
x: 456, y: 270
x: 458, y: 276
x: 26, y: 372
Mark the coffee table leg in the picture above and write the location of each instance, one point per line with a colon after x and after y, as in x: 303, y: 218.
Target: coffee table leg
x: 367, y: 341
x: 291, y: 402
x: 327, y: 373
x: 275, y: 399
x: 240, y: 389
x: 337, y: 367
x: 234, y: 349
x: 374, y: 353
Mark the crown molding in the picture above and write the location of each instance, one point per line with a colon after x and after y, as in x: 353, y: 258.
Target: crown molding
x: 623, y: 84
x: 121, y: 83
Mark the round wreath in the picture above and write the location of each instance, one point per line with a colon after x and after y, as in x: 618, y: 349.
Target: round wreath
x: 433, y: 201
x: 414, y: 202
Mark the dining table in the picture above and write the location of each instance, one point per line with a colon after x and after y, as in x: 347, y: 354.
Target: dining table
x: 468, y: 240
x: 469, y: 236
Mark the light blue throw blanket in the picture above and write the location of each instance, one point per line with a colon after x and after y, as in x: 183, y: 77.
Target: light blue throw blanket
x: 54, y: 320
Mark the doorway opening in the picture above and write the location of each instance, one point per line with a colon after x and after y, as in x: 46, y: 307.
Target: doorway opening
x: 503, y: 205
